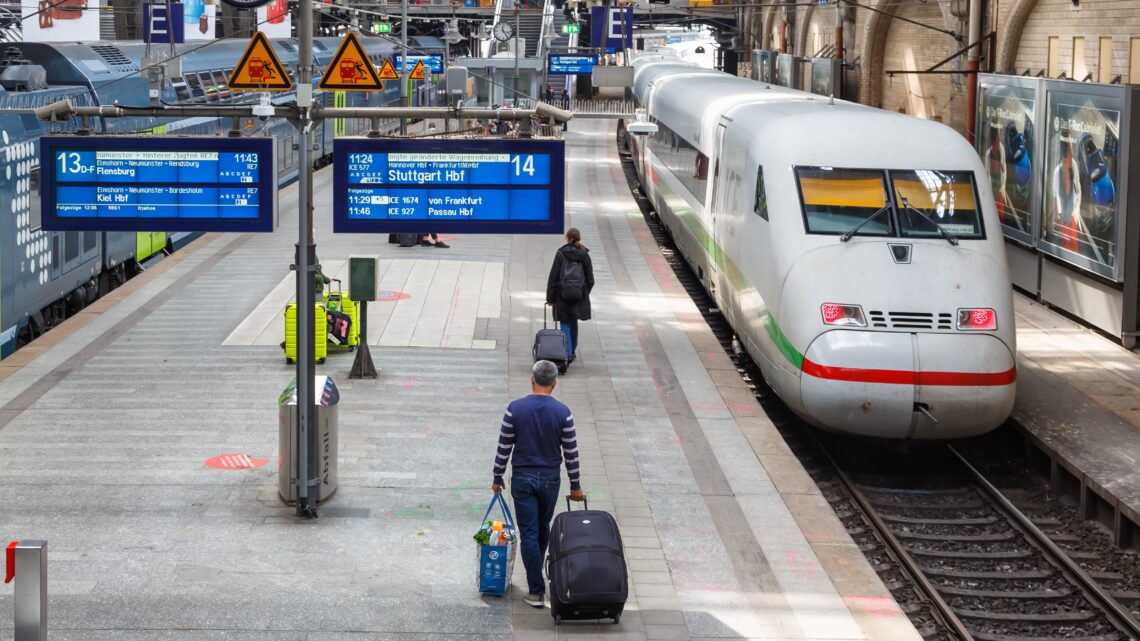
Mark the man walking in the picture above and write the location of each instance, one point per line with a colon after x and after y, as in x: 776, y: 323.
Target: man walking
x: 538, y: 431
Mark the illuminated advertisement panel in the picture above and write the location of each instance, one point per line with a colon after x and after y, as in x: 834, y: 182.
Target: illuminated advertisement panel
x: 1006, y: 138
x: 1081, y: 214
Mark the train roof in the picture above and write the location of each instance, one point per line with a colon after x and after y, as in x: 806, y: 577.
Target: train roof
x: 97, y: 63
x: 804, y: 128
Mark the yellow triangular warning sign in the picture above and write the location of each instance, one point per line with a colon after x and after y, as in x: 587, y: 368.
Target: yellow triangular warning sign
x: 259, y: 69
x: 350, y: 69
x: 388, y: 71
x: 418, y: 71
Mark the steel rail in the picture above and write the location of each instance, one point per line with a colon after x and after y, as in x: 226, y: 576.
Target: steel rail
x: 895, y: 549
x: 1116, y: 613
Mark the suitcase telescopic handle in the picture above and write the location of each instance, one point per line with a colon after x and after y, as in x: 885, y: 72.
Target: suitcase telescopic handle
x: 585, y: 502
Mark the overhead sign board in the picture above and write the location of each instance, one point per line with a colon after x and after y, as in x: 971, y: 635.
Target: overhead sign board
x: 259, y: 68
x: 565, y: 64
x: 448, y: 185
x: 350, y: 68
x: 118, y: 183
x: 571, y: 27
x: 382, y: 27
x: 164, y: 24
x: 611, y: 28
x: 434, y: 63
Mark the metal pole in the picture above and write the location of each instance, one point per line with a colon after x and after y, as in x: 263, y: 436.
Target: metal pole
x: 404, y: 62
x: 306, y: 259
x: 30, y: 601
x: 518, y: 35
x: 839, y: 32
x: 972, y: 68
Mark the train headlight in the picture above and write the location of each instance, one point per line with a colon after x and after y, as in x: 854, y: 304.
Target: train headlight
x: 837, y: 314
x: 971, y: 320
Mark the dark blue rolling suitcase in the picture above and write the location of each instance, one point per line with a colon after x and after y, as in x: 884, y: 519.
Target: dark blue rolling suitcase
x: 550, y: 345
x: 586, y: 566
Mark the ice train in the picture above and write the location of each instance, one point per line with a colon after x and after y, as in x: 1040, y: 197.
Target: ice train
x: 856, y: 252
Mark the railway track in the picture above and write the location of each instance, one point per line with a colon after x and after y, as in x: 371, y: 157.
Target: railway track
x: 959, y: 556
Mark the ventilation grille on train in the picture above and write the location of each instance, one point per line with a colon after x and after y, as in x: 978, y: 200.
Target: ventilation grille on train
x: 912, y: 320
x: 114, y: 57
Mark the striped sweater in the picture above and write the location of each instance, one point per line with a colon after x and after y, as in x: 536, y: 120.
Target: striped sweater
x: 538, y: 432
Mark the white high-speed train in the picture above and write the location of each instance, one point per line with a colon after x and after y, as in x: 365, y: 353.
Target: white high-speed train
x: 856, y: 252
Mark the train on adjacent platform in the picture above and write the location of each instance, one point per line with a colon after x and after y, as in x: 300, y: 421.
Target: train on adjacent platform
x: 47, y: 276
x: 856, y: 252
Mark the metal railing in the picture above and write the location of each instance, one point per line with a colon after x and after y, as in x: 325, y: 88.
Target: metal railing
x: 547, y: 28
x: 601, y: 108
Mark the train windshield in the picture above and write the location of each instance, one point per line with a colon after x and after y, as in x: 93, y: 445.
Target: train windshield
x: 837, y: 200
x: 927, y: 200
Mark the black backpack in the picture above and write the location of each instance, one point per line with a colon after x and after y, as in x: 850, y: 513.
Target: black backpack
x: 572, y: 280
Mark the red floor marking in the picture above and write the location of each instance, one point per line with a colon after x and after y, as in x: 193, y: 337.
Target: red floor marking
x: 389, y: 295
x: 235, y: 462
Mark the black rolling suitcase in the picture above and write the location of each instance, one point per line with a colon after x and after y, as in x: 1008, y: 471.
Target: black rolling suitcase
x: 586, y: 567
x: 408, y: 240
x: 550, y: 345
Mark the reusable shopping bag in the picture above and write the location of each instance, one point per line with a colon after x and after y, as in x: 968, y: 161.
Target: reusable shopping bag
x: 496, y: 562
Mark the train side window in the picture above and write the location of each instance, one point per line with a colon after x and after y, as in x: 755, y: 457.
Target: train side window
x: 761, y: 204
x: 195, y: 86
x: 182, y: 92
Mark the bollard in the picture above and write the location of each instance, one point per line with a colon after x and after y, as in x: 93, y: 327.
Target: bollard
x: 26, y: 562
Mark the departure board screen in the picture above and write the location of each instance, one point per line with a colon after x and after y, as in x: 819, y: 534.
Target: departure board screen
x: 567, y: 64
x: 158, y: 184
x: 453, y: 185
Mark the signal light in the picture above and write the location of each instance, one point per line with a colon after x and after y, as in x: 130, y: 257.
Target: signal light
x: 843, y: 315
x: 971, y: 320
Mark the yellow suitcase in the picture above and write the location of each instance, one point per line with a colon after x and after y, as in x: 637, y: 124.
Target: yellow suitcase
x: 320, y: 333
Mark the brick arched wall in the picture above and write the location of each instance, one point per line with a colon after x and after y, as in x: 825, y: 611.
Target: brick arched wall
x: 1010, y: 36
x: 871, y: 51
x: 767, y: 16
x: 800, y: 48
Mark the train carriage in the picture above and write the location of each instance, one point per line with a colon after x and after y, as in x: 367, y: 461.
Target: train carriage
x: 856, y: 252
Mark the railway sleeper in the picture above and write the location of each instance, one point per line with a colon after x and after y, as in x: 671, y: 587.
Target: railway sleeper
x: 1023, y: 575
x: 963, y: 538
x: 937, y: 491
x: 957, y: 506
x: 1035, y: 595
x: 985, y: 520
x: 984, y: 636
x: 1046, y: 617
x: 997, y: 556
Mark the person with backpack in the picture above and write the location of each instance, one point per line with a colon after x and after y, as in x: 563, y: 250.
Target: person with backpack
x: 568, y: 288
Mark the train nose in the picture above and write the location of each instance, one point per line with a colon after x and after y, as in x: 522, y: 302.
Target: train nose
x: 901, y: 385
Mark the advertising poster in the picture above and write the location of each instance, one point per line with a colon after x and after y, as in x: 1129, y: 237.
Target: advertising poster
x: 60, y: 20
x: 1081, y: 221
x: 274, y: 20
x: 1006, y: 134
x: 199, y: 20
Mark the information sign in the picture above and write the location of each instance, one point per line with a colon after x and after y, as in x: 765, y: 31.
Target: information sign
x: 382, y: 27
x: 571, y: 27
x: 563, y: 64
x: 457, y: 185
x: 433, y: 63
x: 158, y: 184
x: 164, y: 24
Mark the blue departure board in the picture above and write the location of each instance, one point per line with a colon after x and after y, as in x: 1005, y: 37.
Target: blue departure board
x: 158, y: 184
x: 467, y: 186
x: 433, y: 63
x: 569, y: 64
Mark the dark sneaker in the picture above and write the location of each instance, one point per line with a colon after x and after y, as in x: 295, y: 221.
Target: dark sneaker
x: 534, y: 600
x: 442, y: 245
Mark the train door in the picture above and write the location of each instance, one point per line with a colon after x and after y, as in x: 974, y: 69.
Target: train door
x: 713, y: 249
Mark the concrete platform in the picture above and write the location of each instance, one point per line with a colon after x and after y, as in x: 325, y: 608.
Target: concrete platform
x: 105, y: 428
x: 1078, y: 401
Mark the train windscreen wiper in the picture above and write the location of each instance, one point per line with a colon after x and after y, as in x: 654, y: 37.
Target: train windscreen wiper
x: 950, y: 238
x: 851, y: 232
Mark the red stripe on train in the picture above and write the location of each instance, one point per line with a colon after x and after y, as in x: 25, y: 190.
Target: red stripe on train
x: 907, y: 377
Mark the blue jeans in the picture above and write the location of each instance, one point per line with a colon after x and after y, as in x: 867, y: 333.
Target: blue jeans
x: 570, y: 329
x: 536, y: 497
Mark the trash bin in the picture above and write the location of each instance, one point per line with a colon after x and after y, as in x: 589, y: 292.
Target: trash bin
x: 327, y: 397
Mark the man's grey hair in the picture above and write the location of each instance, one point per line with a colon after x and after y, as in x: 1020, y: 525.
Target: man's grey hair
x: 545, y: 373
